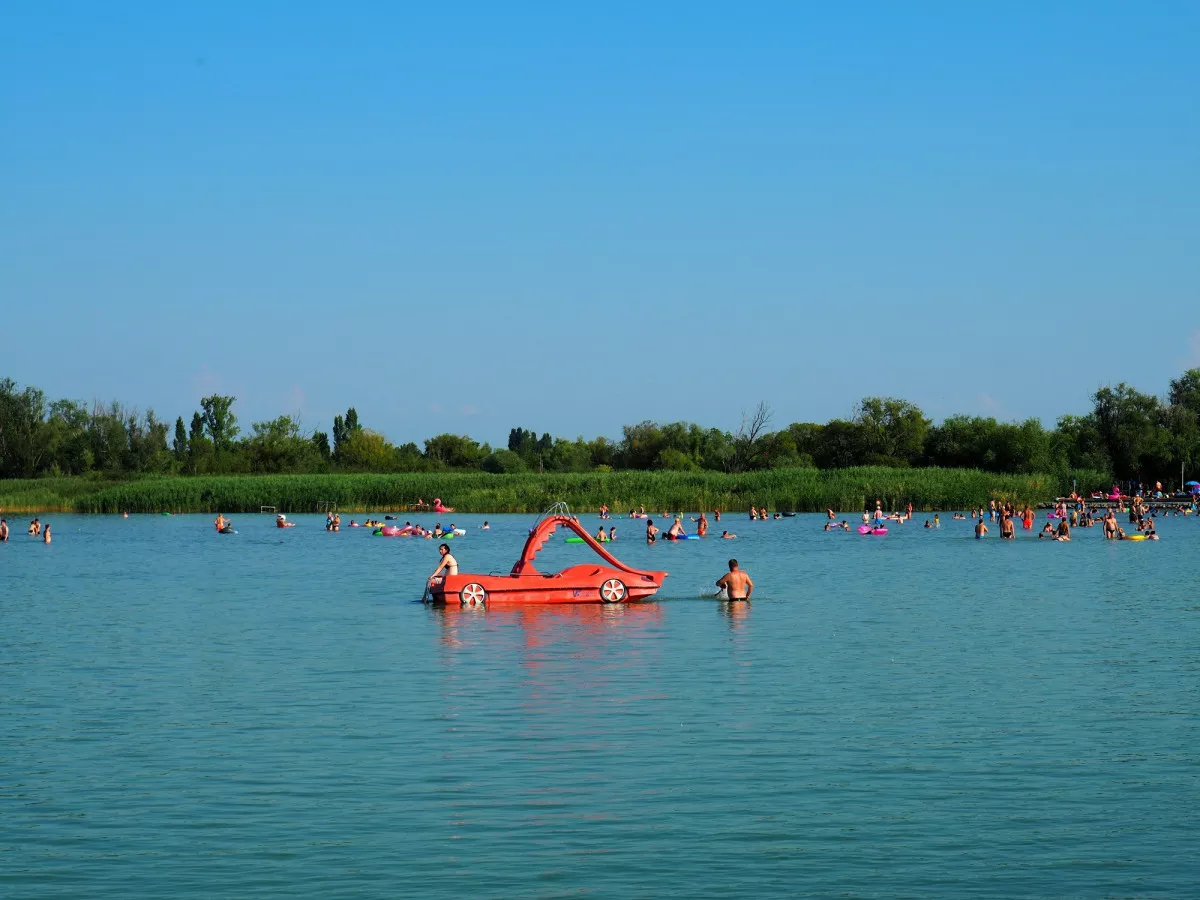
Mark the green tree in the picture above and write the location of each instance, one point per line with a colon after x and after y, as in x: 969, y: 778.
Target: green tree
x: 456, y: 451
x: 894, y: 429
x: 179, y: 445
x: 1185, y: 392
x: 320, y: 442
x: 963, y: 442
x: 1128, y: 422
x: 22, y: 439
x: 277, y: 446
x: 843, y: 444
x: 108, y: 438
x: 200, y: 448
x: 364, y: 450
x: 67, y: 438
x: 504, y: 462
x: 219, y: 421
x: 1078, y: 440
x: 343, y: 429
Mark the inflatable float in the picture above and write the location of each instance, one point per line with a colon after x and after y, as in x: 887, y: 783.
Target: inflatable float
x: 394, y: 531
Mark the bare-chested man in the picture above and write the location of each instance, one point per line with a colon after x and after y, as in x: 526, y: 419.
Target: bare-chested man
x: 737, y: 584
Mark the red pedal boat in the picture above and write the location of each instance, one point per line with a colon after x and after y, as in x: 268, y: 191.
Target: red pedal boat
x: 589, y: 583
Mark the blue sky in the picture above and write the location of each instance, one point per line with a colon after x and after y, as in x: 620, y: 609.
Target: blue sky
x: 469, y: 216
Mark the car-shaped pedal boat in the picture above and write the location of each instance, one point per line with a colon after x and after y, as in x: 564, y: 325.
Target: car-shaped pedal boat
x: 588, y: 583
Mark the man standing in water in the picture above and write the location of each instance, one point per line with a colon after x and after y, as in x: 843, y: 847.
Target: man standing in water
x: 1110, y: 525
x: 449, y: 565
x: 1007, y: 530
x: 980, y: 528
x: 737, y: 584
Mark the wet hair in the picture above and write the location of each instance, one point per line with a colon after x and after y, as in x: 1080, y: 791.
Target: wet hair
x: 445, y: 547
x: 732, y: 564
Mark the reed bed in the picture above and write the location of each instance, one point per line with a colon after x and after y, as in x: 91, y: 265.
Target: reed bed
x: 785, y: 490
x: 61, y: 494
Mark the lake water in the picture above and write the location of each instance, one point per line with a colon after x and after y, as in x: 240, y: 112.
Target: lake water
x: 918, y: 715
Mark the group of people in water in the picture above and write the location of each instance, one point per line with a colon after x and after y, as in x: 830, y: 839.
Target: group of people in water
x: 36, y: 529
x: 677, y: 532
x: 1070, y: 512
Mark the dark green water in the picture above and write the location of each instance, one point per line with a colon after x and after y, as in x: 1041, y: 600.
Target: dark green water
x: 918, y: 715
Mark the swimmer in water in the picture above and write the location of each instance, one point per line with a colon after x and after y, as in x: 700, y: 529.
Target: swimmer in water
x: 485, y: 526
x: 651, y: 532
x: 725, y: 535
x: 601, y: 536
x: 736, y: 583
x: 612, y: 534
x: 980, y: 528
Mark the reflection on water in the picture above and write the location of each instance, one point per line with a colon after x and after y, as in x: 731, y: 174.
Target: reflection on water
x: 736, y: 611
x: 540, y: 625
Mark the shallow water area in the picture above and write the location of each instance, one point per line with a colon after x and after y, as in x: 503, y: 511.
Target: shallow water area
x: 915, y: 714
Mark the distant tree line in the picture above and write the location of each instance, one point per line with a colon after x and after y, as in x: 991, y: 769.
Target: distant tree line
x: 1131, y: 435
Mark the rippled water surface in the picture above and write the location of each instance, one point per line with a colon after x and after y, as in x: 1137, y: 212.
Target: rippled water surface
x: 922, y: 714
